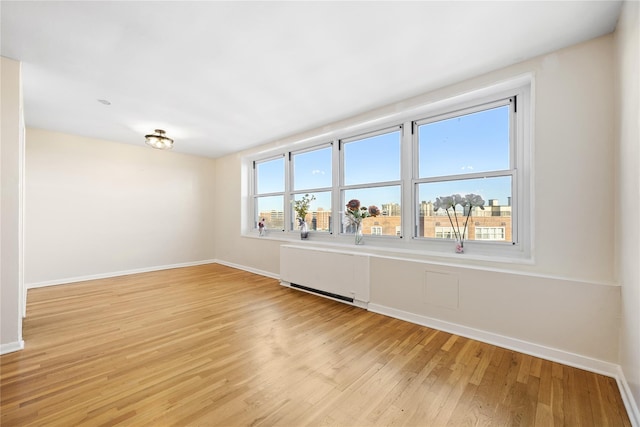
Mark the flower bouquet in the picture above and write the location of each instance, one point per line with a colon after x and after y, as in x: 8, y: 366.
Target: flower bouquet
x: 467, y: 202
x: 301, y: 207
x: 354, y: 216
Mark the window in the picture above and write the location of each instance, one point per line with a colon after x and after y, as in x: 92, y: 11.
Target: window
x: 476, y: 144
x: 466, y: 152
x: 269, y: 194
x: 371, y: 165
x: 311, y: 173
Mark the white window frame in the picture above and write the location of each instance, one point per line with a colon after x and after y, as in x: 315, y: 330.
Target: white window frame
x: 290, y: 184
x: 373, y: 184
x: 511, y: 172
x: 254, y: 190
x: 522, y: 182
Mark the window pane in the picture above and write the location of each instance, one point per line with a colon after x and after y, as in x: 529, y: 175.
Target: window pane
x: 387, y: 199
x: 271, y: 209
x: 477, y: 142
x: 374, y: 159
x: 312, y: 169
x: 270, y: 176
x: 319, y: 214
x: 450, y: 233
x: 496, y: 193
x: 490, y: 233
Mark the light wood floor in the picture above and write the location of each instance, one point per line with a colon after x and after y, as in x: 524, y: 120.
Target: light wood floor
x: 215, y: 346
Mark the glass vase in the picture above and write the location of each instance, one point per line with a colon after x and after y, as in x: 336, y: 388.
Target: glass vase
x: 358, y: 234
x: 304, y: 230
x: 459, y: 246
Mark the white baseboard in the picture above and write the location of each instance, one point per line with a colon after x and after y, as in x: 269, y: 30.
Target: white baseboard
x: 548, y: 353
x: 115, y: 274
x: 627, y: 397
x: 11, y: 347
x: 249, y: 269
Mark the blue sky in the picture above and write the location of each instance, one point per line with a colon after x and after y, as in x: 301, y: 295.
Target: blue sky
x: 472, y: 143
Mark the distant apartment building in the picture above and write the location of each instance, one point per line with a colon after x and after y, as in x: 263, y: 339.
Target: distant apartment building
x: 491, y: 224
x: 273, y: 219
x: 390, y: 209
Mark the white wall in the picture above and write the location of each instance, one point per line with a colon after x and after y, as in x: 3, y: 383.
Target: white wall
x: 11, y: 156
x: 559, y: 319
x: 261, y: 256
x: 96, y: 208
x: 628, y: 201
x: 567, y: 299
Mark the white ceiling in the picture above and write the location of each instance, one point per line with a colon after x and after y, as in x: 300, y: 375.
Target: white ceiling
x: 220, y: 77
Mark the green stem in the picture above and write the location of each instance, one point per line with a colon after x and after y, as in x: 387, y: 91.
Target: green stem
x: 457, y: 224
x: 451, y: 221
x: 465, y: 223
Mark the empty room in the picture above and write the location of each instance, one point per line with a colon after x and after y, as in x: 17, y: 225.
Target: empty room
x: 298, y: 213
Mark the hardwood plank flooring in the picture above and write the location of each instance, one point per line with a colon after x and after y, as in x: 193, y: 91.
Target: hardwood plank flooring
x: 215, y: 346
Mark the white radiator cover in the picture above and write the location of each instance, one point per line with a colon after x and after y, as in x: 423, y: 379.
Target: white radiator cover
x: 336, y: 272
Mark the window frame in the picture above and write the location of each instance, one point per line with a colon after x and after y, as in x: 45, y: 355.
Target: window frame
x: 343, y: 188
x: 255, y: 195
x: 405, y: 119
x: 511, y: 102
x: 292, y: 192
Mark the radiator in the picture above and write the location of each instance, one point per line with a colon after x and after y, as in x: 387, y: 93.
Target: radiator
x: 336, y: 274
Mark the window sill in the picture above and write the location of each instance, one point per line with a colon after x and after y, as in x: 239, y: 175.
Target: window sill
x: 476, y: 253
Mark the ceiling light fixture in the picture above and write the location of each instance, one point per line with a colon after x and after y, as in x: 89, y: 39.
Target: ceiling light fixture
x: 158, y: 140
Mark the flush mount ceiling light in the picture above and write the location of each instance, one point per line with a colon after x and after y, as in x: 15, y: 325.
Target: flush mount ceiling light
x: 158, y: 140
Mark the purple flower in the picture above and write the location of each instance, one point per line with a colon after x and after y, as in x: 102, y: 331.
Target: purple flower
x: 353, y: 205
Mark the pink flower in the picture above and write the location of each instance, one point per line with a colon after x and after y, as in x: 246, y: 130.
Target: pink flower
x: 373, y: 210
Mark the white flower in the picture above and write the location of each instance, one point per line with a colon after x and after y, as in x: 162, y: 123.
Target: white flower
x: 475, y: 200
x: 446, y: 202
